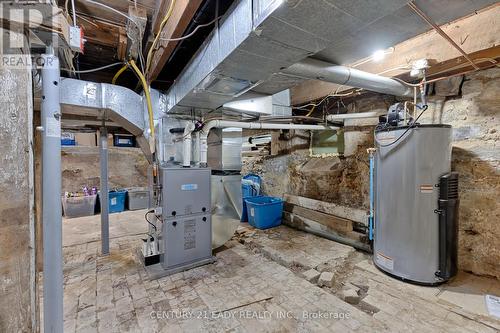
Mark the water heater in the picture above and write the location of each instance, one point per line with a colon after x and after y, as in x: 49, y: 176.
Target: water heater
x: 415, y: 203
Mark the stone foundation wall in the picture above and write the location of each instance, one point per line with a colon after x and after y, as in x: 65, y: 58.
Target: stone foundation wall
x: 476, y: 154
x: 18, y: 305
x: 127, y: 167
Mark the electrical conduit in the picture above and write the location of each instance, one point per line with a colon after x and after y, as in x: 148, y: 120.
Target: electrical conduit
x: 371, y: 153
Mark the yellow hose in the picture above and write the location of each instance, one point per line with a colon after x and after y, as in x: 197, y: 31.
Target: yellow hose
x: 155, y: 41
x: 117, y: 75
x: 311, y: 111
x: 148, y: 97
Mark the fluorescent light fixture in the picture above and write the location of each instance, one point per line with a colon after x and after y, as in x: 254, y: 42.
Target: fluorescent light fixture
x: 378, y: 55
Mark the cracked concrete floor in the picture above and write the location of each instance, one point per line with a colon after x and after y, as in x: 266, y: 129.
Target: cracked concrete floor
x: 258, y: 284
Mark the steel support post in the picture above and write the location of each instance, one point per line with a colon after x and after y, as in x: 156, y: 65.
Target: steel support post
x: 51, y: 197
x: 104, y: 195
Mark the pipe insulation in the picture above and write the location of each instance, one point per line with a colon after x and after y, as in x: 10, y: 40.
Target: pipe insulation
x: 320, y: 70
x: 247, y: 125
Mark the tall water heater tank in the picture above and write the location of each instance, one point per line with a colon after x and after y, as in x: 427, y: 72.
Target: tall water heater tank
x: 416, y: 203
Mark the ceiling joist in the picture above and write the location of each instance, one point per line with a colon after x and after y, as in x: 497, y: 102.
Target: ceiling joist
x: 476, y: 34
x: 182, y: 14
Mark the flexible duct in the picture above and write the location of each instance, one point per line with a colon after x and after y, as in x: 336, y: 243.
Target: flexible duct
x: 225, y: 123
x: 320, y: 70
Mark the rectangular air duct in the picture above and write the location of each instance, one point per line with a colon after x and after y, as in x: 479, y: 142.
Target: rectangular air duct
x: 259, y: 39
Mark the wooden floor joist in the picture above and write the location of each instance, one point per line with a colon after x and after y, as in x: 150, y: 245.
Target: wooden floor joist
x: 182, y: 14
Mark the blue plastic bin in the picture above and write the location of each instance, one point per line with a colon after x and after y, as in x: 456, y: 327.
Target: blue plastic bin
x: 244, y: 212
x: 250, y: 187
x: 68, y: 142
x: 117, y: 201
x: 264, y: 212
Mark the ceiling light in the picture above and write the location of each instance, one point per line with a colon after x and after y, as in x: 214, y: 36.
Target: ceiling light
x: 378, y: 55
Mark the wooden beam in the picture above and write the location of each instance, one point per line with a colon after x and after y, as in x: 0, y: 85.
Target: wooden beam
x: 90, y: 9
x: 182, y: 14
x: 352, y: 238
x: 101, y: 33
x: 352, y: 214
x: 160, y: 11
x: 333, y: 222
x: 477, y: 32
x: 43, y: 16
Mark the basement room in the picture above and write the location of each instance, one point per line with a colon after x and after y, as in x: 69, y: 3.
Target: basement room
x: 250, y: 166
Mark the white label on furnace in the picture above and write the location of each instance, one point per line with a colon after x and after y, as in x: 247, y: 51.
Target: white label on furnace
x: 189, y: 187
x: 52, y: 127
x: 385, y: 261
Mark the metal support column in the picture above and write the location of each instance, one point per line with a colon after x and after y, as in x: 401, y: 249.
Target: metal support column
x: 51, y: 197
x: 104, y: 195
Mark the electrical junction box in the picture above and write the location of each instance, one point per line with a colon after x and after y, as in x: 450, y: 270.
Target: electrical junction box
x: 76, y: 40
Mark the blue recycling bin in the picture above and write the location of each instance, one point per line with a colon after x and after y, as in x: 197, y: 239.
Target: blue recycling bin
x: 264, y: 212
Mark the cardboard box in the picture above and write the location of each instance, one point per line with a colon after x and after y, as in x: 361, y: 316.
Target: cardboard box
x: 110, y: 139
x: 86, y: 139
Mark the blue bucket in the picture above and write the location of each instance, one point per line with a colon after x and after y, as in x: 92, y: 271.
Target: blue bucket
x: 250, y: 187
x: 117, y: 201
x: 264, y: 212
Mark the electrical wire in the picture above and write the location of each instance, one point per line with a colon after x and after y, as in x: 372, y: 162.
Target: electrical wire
x: 443, y: 34
x: 192, y: 32
x: 413, y: 125
x: 120, y: 71
x: 92, y: 70
x: 328, y: 96
x: 157, y: 37
x: 87, y: 20
x: 113, y: 10
x: 147, y: 220
x: 148, y: 98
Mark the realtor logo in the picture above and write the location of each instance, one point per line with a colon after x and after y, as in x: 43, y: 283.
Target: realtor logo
x: 26, y: 31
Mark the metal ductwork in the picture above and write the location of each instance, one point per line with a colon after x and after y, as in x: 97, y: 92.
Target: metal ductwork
x: 265, y: 46
x: 109, y: 102
x: 324, y: 71
x: 260, y: 38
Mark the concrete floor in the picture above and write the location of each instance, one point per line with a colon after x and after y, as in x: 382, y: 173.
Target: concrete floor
x: 260, y: 283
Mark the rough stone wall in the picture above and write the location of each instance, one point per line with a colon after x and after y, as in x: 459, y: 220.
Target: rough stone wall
x: 476, y: 154
x: 17, y: 284
x: 127, y: 167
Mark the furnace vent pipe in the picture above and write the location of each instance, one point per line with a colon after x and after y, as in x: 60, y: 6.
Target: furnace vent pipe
x: 225, y: 123
x: 346, y: 76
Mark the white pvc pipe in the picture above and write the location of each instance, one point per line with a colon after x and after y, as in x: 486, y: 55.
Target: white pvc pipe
x: 186, y: 144
x: 225, y: 123
x: 359, y: 115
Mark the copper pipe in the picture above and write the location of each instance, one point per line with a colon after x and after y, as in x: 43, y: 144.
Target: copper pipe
x: 441, y: 32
